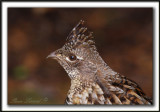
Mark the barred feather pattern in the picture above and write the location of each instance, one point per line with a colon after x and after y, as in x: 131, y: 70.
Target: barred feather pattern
x: 79, y: 35
x: 122, y: 91
x: 92, y: 80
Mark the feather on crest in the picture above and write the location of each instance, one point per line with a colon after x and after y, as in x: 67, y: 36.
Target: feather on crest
x: 80, y: 35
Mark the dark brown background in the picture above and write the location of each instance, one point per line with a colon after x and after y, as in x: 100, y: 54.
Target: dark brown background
x: 123, y: 38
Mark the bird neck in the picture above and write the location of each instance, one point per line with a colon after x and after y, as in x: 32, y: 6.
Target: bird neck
x: 103, y: 72
x: 104, y: 68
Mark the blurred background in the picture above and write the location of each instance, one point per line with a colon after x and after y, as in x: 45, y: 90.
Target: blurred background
x: 123, y: 39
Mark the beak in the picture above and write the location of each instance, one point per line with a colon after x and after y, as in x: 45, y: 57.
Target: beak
x: 52, y: 55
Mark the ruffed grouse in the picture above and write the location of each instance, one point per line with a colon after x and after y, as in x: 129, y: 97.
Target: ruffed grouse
x: 92, y: 80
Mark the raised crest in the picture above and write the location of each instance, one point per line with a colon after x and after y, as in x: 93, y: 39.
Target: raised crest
x: 80, y: 35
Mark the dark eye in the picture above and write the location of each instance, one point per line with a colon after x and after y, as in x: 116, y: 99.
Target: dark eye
x: 72, y: 57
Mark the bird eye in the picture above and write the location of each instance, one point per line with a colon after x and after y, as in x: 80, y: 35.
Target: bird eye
x: 72, y: 57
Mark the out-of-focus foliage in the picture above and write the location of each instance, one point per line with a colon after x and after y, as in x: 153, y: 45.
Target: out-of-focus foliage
x: 20, y: 72
x: 123, y: 38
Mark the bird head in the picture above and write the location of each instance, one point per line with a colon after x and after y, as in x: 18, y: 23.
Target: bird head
x: 78, y: 56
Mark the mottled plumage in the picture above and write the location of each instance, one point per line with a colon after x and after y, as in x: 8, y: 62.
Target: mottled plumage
x: 92, y: 80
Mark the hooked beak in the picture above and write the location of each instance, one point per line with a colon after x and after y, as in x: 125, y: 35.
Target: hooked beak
x: 52, y: 55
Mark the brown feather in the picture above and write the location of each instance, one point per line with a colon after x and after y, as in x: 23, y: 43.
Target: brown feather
x: 92, y: 80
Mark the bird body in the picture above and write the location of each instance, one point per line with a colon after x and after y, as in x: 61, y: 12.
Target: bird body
x: 92, y: 80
